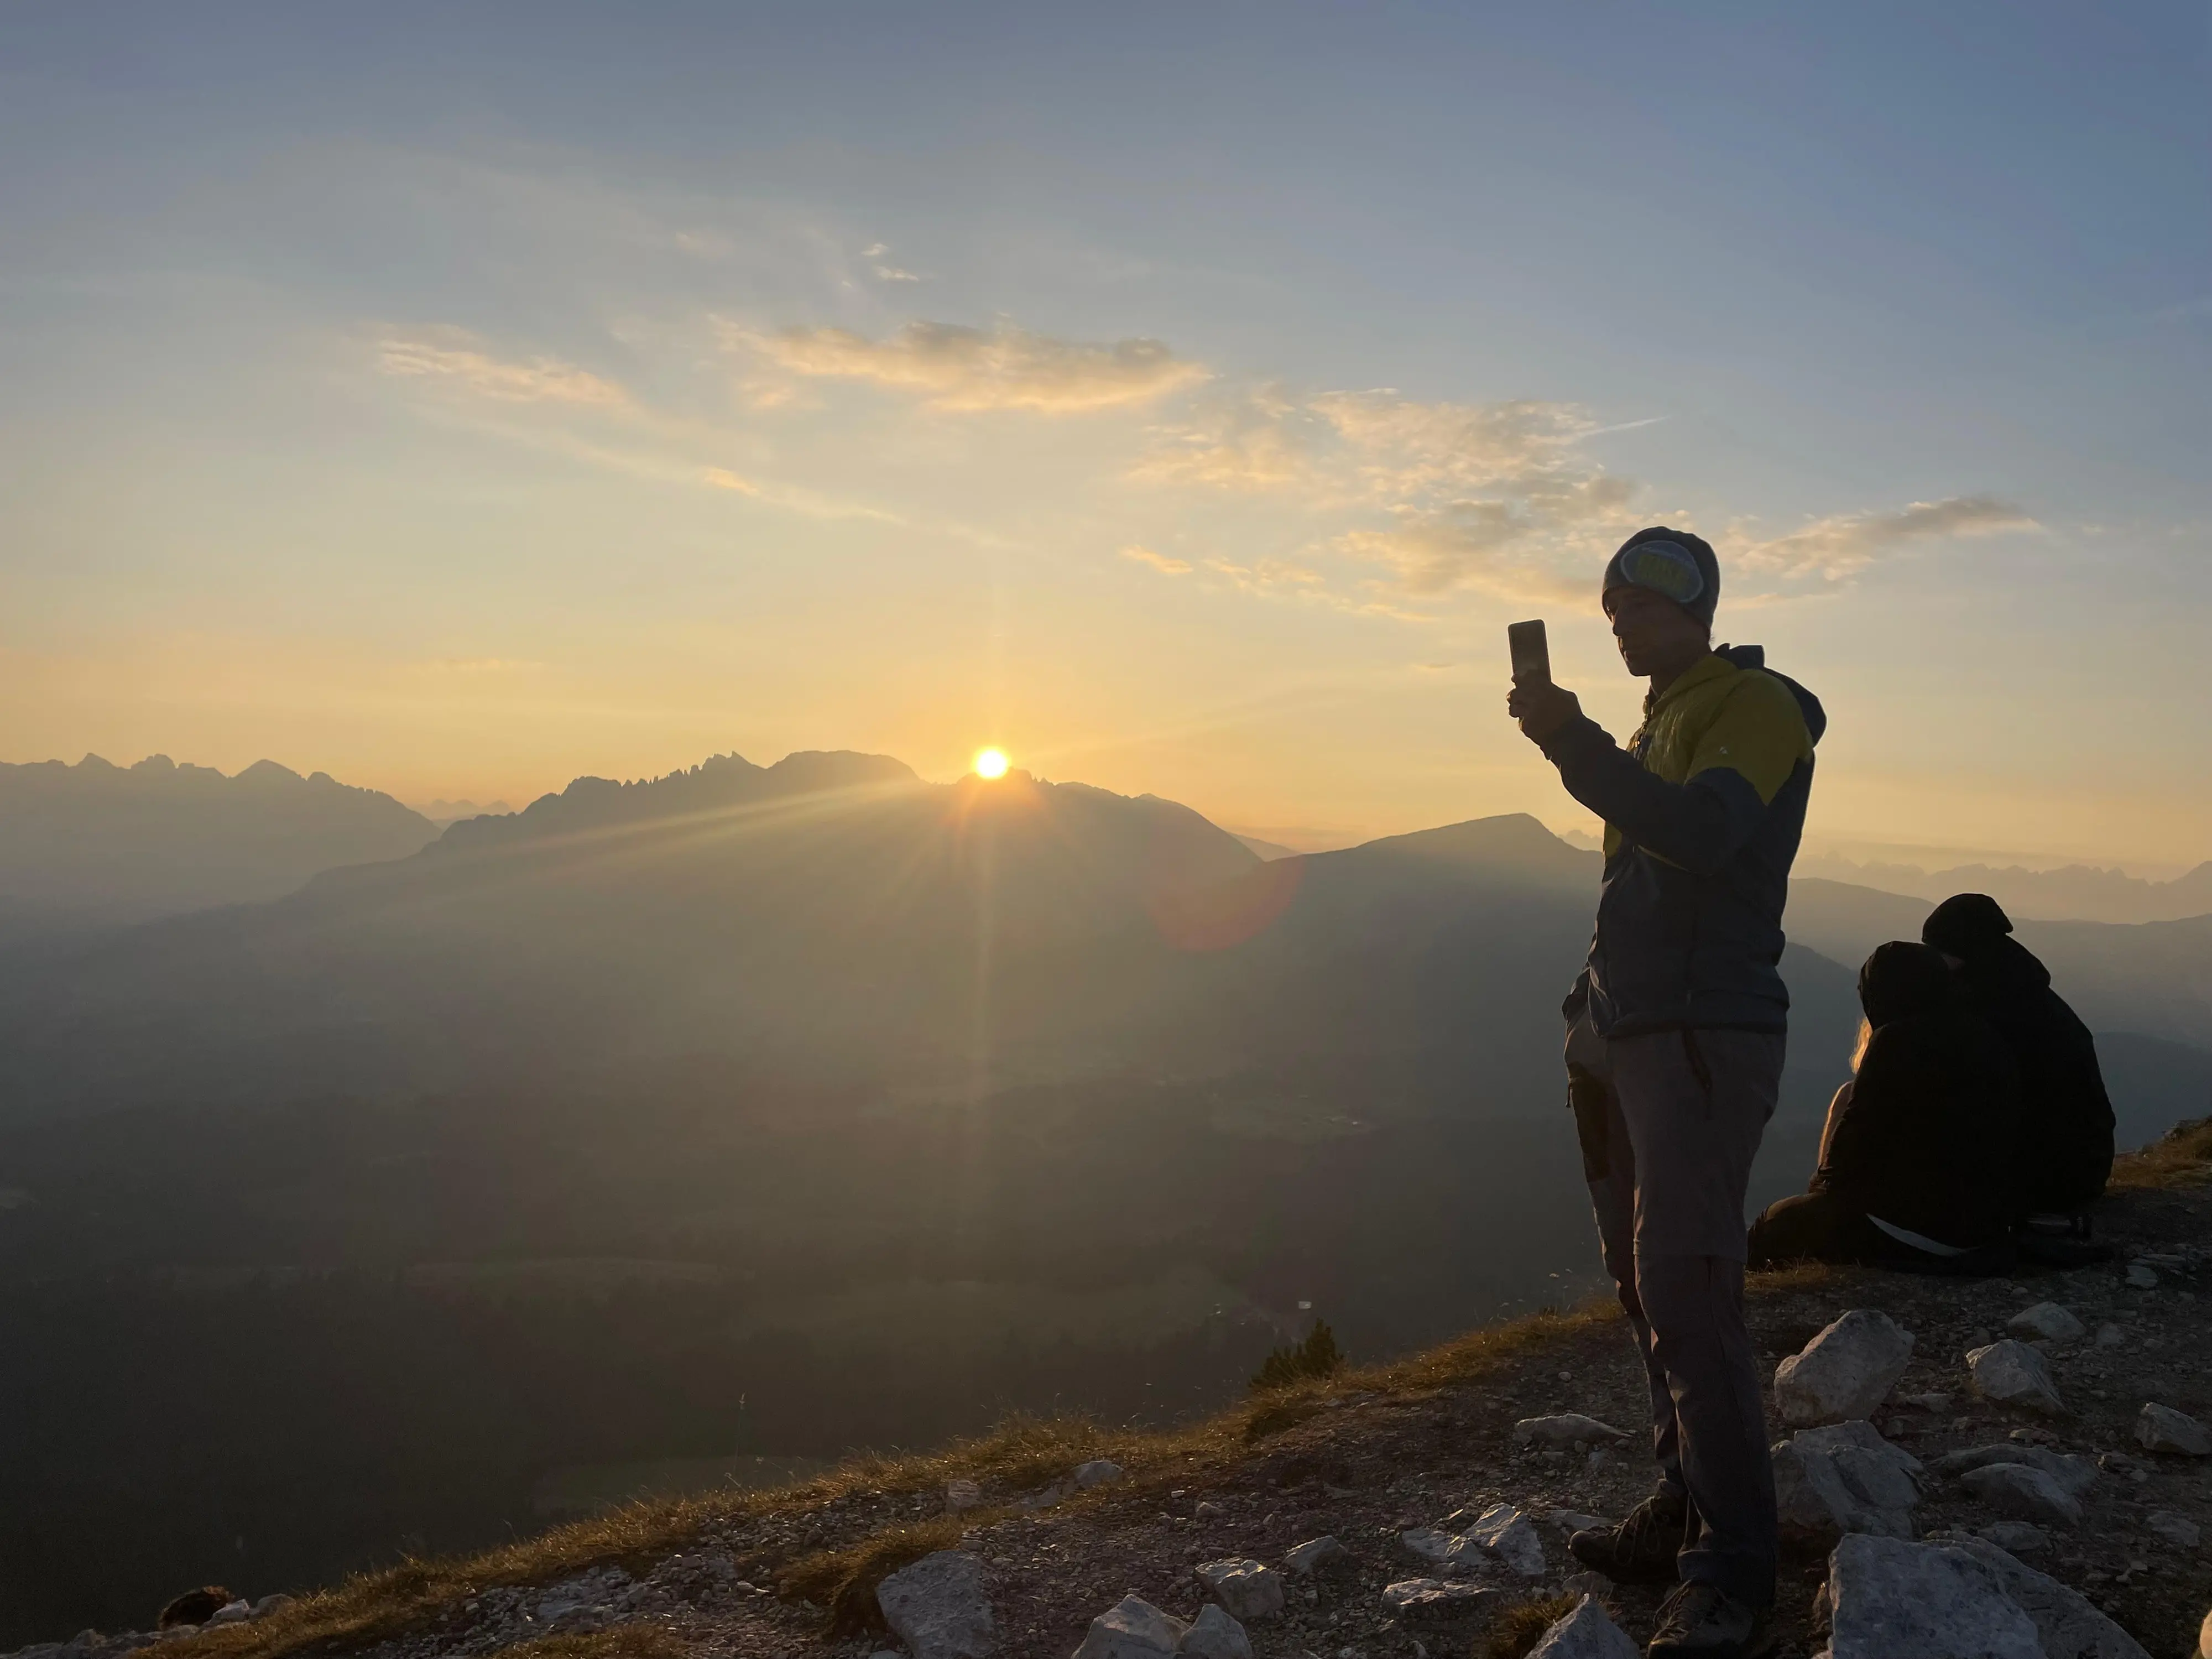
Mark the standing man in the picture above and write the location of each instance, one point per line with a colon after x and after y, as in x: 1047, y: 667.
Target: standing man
x: 1674, y: 1041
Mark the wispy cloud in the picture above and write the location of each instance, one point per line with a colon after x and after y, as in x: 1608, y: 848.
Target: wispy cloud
x: 1537, y: 541
x: 537, y: 380
x: 972, y: 371
x: 1845, y: 544
x: 1495, y: 498
x: 1159, y: 562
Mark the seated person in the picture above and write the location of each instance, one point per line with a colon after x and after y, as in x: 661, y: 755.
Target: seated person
x: 2066, y: 1117
x: 1919, y: 1161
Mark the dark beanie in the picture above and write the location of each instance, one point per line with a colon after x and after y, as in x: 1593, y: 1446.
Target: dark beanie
x: 1672, y: 564
x: 1902, y: 979
x: 1964, y: 925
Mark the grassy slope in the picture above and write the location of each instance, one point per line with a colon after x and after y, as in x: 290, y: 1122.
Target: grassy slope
x: 1026, y: 1453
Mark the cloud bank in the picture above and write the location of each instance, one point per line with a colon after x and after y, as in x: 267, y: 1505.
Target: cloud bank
x: 1843, y: 544
x: 540, y: 380
x: 972, y: 371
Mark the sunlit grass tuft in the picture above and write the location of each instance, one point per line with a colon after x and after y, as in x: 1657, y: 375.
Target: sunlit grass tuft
x: 844, y: 1580
x: 2182, y: 1157
x: 1521, y: 1625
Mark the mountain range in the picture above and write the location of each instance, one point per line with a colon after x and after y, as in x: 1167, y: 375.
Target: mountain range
x: 2075, y: 892
x: 99, y: 845
x: 763, y: 1111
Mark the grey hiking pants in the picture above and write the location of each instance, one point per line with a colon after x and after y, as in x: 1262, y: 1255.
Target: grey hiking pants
x: 1670, y: 1123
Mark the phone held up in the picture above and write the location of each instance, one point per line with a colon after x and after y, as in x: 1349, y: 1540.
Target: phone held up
x: 1532, y: 656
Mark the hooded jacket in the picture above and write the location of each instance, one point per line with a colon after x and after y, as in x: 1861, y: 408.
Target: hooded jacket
x: 2066, y: 1116
x: 1703, y: 813
x: 1926, y: 1136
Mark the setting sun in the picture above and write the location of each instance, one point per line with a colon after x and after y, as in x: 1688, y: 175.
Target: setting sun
x: 990, y: 762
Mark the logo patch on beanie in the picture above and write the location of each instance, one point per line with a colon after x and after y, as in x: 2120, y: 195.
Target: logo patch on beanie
x: 1665, y: 568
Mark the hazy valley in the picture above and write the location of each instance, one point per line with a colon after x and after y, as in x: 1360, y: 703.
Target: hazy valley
x: 677, y: 1128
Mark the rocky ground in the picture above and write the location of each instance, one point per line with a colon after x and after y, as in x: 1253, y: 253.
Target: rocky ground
x: 1368, y: 1465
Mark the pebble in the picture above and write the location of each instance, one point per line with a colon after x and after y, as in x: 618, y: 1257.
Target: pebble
x: 2175, y: 1528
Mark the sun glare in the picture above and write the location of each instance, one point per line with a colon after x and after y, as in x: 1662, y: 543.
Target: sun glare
x: 990, y: 762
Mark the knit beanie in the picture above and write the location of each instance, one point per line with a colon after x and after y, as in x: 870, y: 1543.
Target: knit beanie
x: 1964, y: 925
x: 1672, y: 564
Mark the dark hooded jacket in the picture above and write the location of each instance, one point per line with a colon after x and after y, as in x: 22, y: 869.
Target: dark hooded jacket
x: 1926, y: 1136
x: 1703, y: 813
x: 2066, y: 1117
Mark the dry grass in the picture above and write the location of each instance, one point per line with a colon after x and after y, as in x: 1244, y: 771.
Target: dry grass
x: 1521, y: 1626
x: 1022, y: 1453
x: 844, y: 1580
x: 2182, y: 1157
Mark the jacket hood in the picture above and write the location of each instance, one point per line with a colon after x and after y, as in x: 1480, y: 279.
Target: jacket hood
x: 1901, y: 979
x: 1973, y: 928
x: 1754, y: 656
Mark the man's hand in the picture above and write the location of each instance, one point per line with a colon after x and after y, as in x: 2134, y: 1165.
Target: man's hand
x: 1541, y: 708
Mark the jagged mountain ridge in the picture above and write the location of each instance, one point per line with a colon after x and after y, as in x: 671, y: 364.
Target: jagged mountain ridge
x: 96, y: 844
x: 2075, y: 892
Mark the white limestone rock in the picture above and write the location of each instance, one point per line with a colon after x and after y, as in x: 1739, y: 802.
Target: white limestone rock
x: 1132, y: 1629
x: 1845, y: 1372
x: 2022, y: 1491
x: 2162, y: 1429
x: 1319, y: 1556
x: 1888, y: 1598
x: 1585, y: 1633
x: 1507, y: 1534
x: 1250, y: 1590
x: 962, y: 1495
x: 938, y: 1608
x: 1448, y: 1549
x: 1440, y: 1605
x: 2069, y: 1626
x: 1098, y: 1472
x: 1572, y: 1522
x: 2015, y: 1374
x: 1214, y: 1635
x: 2048, y: 1320
x: 1842, y: 1479
x: 2074, y: 1472
x: 1566, y: 1429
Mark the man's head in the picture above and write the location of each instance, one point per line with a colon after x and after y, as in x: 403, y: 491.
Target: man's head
x: 1660, y: 591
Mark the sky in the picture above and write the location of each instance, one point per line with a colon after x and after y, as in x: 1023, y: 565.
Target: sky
x: 461, y: 400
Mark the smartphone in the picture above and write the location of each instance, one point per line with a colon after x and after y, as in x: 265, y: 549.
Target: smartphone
x: 1532, y: 657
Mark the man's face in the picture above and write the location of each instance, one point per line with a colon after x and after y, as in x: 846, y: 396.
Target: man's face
x: 1653, y: 632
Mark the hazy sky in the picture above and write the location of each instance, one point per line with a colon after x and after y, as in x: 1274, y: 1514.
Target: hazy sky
x: 459, y: 399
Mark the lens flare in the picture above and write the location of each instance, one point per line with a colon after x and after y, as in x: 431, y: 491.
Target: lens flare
x: 990, y: 762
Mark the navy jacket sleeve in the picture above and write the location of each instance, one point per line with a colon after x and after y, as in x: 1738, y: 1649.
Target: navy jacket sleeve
x: 1744, y: 756
x: 1699, y: 825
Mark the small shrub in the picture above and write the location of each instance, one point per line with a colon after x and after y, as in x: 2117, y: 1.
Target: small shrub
x: 1317, y: 1357
x: 1520, y: 1628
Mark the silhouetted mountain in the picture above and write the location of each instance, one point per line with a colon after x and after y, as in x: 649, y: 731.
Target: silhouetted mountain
x: 444, y: 812
x: 767, y: 1110
x: 2152, y: 977
x: 2077, y: 892
x: 100, y: 845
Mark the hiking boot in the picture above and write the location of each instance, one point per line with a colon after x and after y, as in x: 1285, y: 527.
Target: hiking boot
x: 1703, y: 1622
x: 1641, y: 1549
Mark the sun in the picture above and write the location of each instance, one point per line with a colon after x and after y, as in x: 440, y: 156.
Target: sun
x: 990, y: 762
